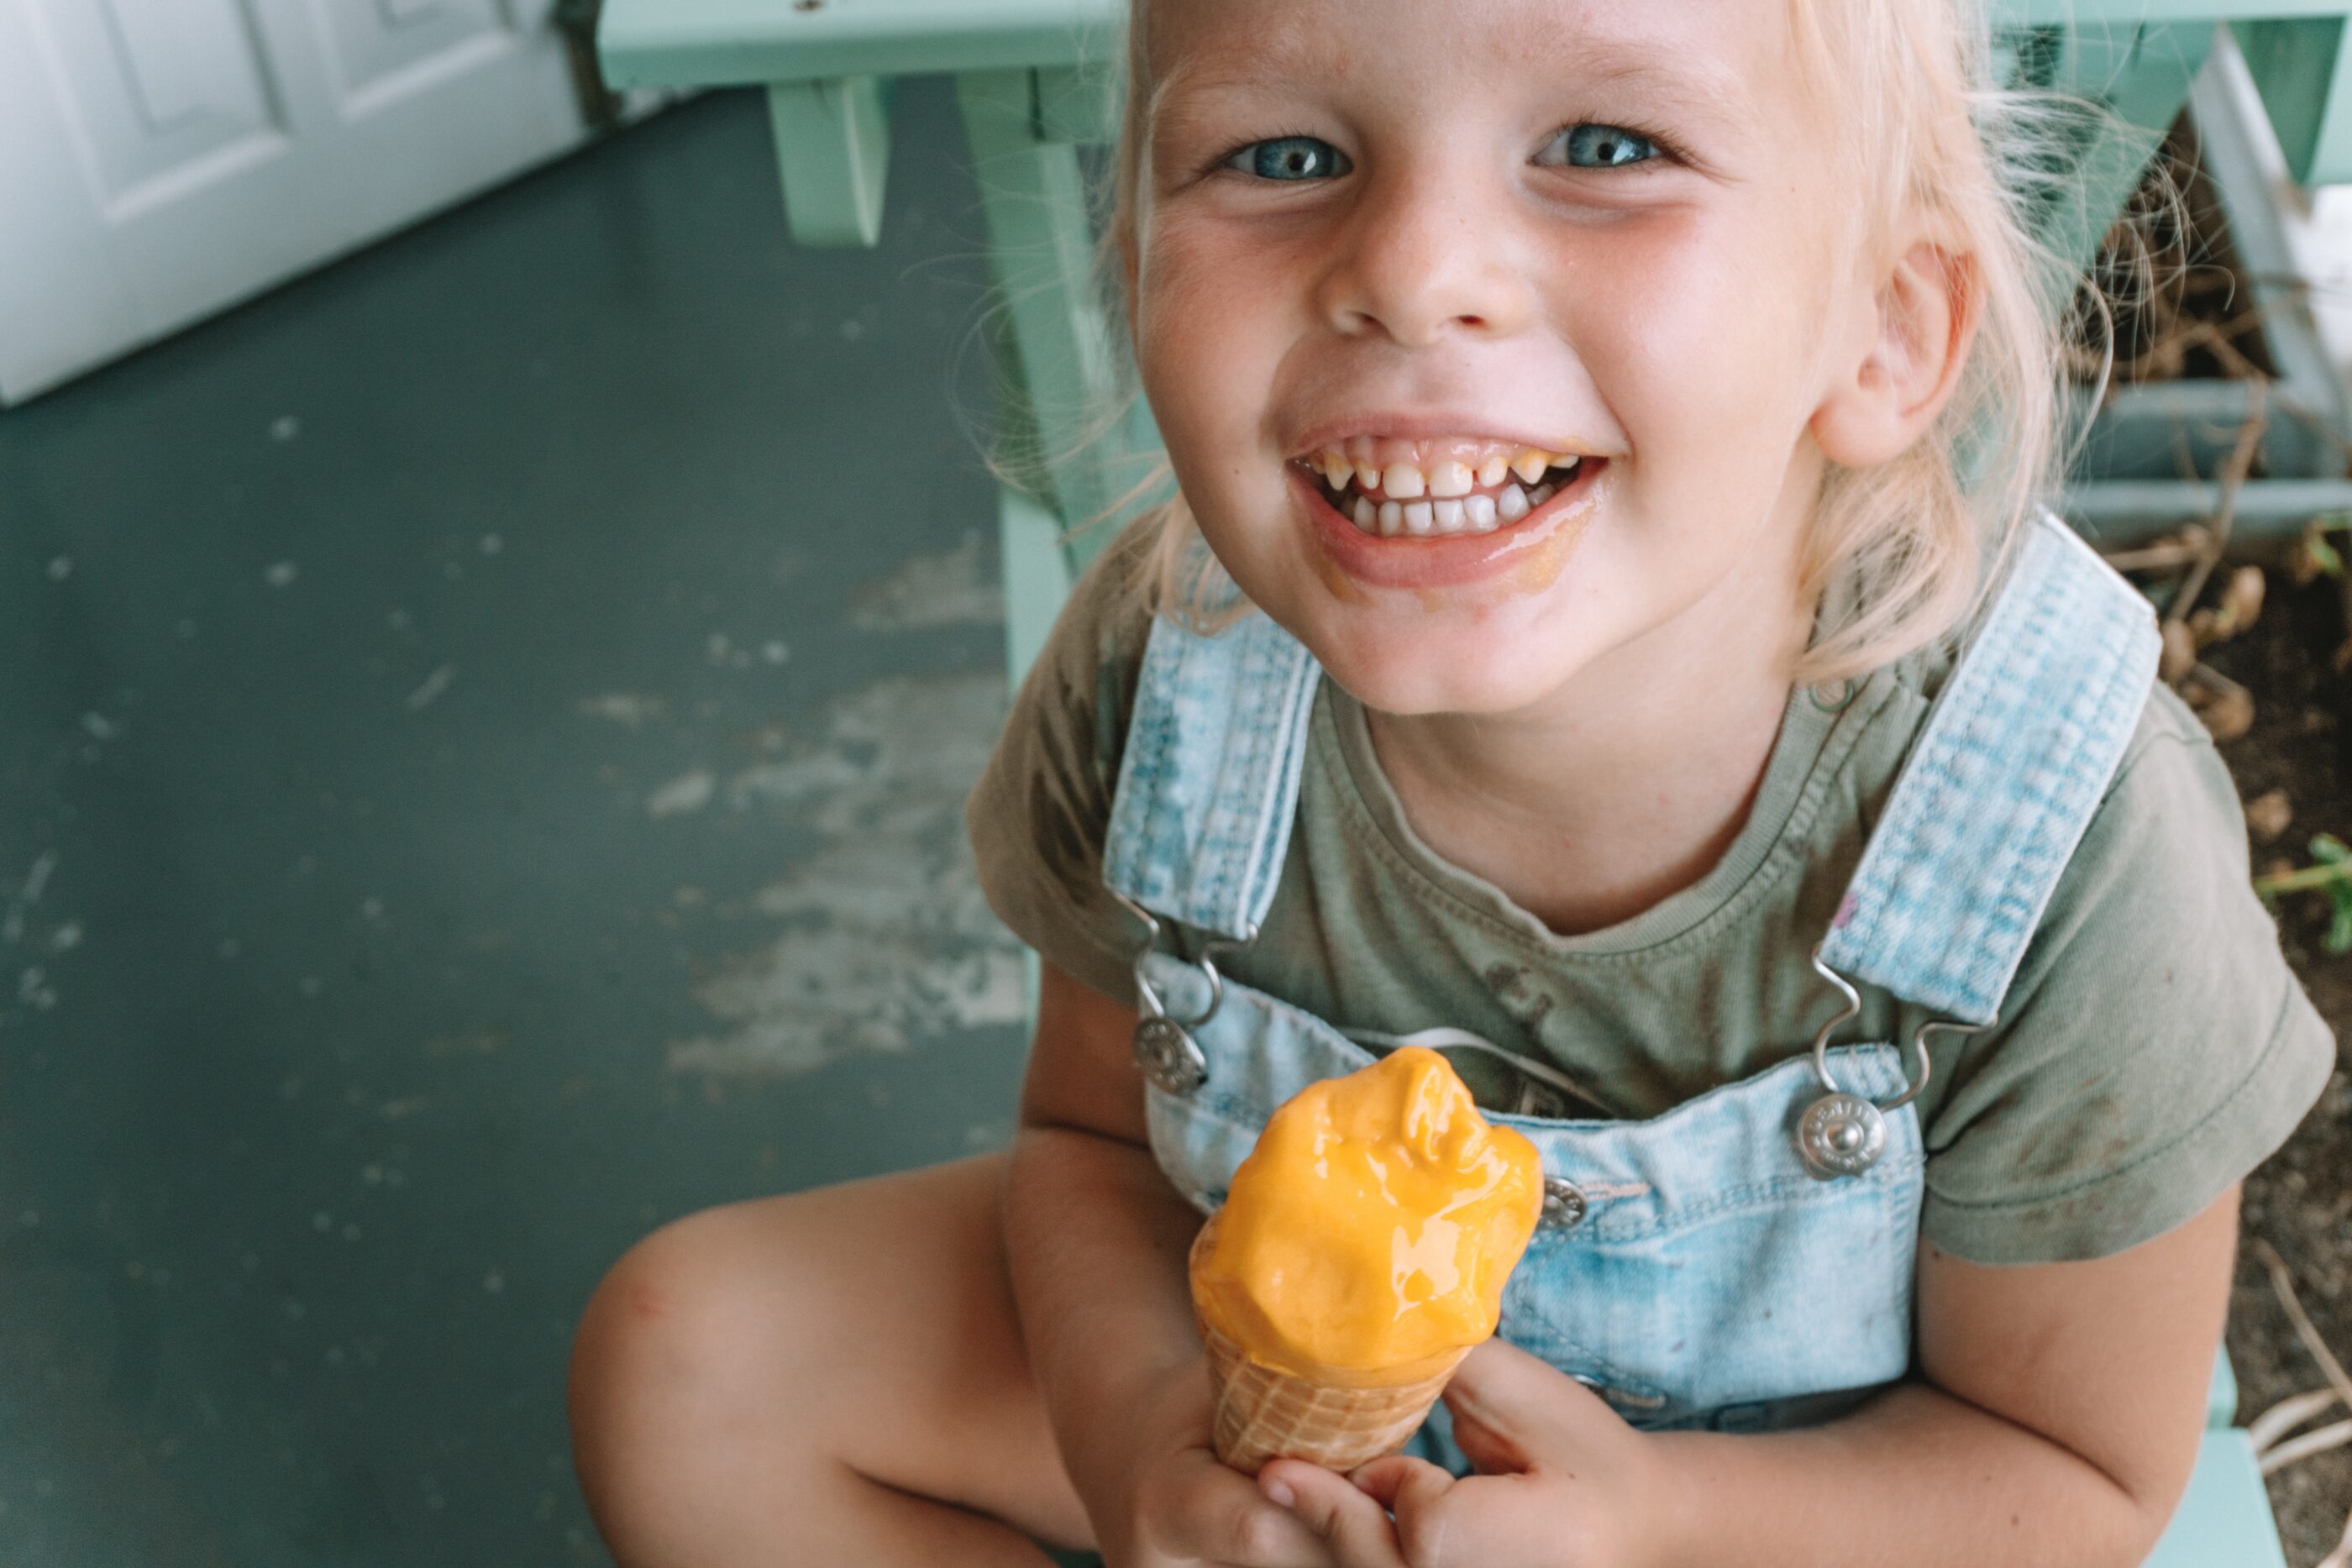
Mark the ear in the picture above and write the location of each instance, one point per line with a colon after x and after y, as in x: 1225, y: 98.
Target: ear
x: 1927, y: 318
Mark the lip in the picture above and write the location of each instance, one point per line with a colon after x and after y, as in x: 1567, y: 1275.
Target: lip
x: 1435, y: 425
x: 1451, y: 560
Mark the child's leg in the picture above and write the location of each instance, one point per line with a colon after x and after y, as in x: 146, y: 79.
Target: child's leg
x: 830, y: 1377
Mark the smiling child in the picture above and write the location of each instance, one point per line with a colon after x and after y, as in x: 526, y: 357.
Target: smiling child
x: 1606, y: 629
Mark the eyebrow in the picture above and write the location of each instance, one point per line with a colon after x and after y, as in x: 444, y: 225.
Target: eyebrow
x: 1702, y: 87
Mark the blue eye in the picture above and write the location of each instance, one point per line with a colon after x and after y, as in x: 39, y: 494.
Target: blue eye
x: 1595, y: 146
x: 1291, y: 158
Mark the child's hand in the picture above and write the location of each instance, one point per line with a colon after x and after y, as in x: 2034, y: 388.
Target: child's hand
x: 1175, y: 1502
x: 1562, y: 1481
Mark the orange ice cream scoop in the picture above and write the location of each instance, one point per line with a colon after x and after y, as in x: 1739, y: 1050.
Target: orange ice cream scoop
x: 1366, y: 1238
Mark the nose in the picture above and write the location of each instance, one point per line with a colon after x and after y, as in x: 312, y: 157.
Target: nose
x: 1425, y: 255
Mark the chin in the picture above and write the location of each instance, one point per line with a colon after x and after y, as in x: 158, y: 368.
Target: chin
x: 1435, y: 667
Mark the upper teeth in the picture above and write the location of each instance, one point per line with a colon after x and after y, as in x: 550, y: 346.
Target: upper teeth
x: 1443, y: 477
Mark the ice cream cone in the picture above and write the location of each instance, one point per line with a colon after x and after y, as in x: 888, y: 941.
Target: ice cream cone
x: 1267, y: 1413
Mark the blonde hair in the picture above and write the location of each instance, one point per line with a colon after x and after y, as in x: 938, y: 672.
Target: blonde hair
x: 1898, y: 553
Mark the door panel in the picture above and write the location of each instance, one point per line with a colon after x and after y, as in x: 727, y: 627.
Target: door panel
x: 161, y: 159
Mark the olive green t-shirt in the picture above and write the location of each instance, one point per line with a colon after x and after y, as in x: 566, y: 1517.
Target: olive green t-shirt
x: 2152, y: 1050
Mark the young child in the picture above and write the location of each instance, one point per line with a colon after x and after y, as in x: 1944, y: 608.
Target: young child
x: 1605, y: 625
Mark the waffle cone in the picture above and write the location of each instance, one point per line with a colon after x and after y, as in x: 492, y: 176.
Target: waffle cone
x: 1264, y: 1413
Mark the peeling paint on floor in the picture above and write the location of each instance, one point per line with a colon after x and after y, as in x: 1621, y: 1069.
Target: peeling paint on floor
x: 953, y: 588
x: 687, y: 793
x: 276, y: 946
x: 887, y: 943
x: 628, y: 709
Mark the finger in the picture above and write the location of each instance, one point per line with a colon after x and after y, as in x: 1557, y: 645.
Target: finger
x: 1357, y: 1527
x: 1400, y: 1481
x: 1209, y: 1510
x: 1517, y: 1396
x: 1466, y: 1522
x: 1490, y: 1452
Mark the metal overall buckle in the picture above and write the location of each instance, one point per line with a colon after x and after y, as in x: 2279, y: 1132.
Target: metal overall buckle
x: 1844, y: 1135
x: 1164, y: 1047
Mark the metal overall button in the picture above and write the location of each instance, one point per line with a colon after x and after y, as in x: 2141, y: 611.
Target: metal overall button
x: 1172, y: 1058
x: 1164, y: 1047
x: 1841, y: 1133
x: 1564, y: 1204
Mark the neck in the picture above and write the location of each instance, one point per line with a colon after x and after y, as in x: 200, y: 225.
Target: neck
x: 1631, y: 781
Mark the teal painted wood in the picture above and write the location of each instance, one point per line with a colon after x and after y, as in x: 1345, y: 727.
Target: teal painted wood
x: 2221, y: 1394
x: 2224, y: 1518
x: 833, y: 149
x: 2305, y: 76
x: 1036, y: 576
x: 699, y: 43
x: 1042, y: 248
x: 692, y: 43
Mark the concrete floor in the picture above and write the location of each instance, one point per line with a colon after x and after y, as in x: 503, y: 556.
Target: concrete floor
x: 485, y: 736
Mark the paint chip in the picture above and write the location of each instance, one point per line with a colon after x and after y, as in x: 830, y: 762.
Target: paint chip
x: 687, y: 793
x: 60, y: 568
x: 285, y: 427
x: 430, y: 689
x: 281, y: 574
x: 628, y: 709
x: 949, y: 589
x: 883, y: 942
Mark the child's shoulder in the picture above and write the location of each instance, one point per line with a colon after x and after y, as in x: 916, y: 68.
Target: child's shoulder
x: 2172, y: 789
x: 1088, y: 663
x: 2154, y: 1046
x: 1035, y: 818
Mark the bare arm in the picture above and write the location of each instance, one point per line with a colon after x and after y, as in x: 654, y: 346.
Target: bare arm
x: 2056, y: 1424
x: 1095, y: 1238
x: 1095, y: 1234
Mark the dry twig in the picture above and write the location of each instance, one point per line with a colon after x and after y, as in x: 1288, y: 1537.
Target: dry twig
x: 2283, y: 1286
x: 2320, y: 1442
x: 2234, y: 478
x: 2339, y: 1386
x: 2158, y: 557
x: 2287, y: 1415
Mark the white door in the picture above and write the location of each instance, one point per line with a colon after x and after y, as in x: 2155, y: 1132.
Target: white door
x: 162, y: 159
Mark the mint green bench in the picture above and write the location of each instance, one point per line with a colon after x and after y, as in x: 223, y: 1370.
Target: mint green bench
x: 1037, y: 80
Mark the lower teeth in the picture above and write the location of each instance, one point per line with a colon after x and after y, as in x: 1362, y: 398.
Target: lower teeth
x: 1475, y: 513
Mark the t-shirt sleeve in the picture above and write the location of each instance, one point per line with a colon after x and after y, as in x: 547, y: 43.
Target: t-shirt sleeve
x: 1037, y: 818
x: 2154, y: 1046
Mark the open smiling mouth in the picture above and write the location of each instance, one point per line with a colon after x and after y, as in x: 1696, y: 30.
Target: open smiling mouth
x: 1439, y: 490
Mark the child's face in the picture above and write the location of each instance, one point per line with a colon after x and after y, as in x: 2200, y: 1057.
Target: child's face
x: 1399, y: 243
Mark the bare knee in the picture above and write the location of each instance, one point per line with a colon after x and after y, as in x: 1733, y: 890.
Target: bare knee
x: 684, y: 1362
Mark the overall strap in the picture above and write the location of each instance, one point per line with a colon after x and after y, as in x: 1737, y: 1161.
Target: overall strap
x: 2017, y: 754
x: 1209, y: 784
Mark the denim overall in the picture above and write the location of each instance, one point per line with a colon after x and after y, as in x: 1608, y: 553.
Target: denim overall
x: 1743, y: 1261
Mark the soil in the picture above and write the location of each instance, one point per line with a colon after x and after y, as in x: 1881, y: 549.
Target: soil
x: 2300, y: 1201
x: 2180, y: 300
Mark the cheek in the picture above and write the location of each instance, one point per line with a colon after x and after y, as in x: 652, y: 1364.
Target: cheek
x: 1702, y: 332
x: 1212, y: 318
x: 1197, y: 328
x: 1193, y: 360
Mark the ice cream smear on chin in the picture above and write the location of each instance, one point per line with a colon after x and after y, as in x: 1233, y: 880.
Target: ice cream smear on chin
x: 1369, y: 1235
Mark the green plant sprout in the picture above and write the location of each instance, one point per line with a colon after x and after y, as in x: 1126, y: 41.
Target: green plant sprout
x: 2330, y: 871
